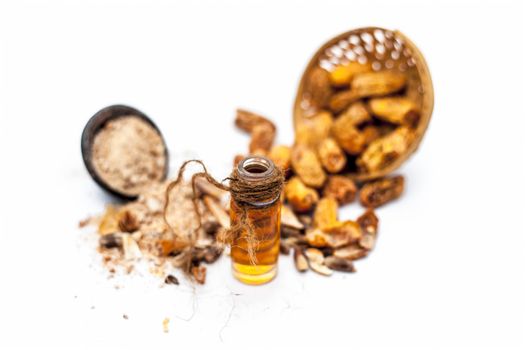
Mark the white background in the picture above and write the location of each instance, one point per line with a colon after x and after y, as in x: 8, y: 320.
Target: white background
x: 448, y: 268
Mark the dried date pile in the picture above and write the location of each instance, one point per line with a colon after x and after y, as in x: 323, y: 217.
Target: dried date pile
x: 314, y: 191
x: 355, y: 119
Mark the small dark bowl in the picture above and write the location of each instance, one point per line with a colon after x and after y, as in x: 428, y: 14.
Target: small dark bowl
x: 94, y: 125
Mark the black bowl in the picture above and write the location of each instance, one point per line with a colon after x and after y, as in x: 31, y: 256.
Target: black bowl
x: 94, y: 125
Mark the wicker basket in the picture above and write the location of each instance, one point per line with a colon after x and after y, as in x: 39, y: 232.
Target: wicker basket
x: 386, y: 50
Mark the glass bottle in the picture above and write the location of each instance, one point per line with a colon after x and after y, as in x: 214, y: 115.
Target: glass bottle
x: 265, y: 218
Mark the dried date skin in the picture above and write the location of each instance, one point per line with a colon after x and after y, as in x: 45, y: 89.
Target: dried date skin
x: 262, y: 137
x: 307, y: 166
x: 128, y: 222
x: 377, y: 193
x: 347, y: 231
x: 211, y: 227
x: 246, y: 120
x: 339, y: 264
x: 167, y: 246
x: 301, y: 264
x: 306, y: 220
x: 386, y: 149
x: 170, y: 279
x: 341, y: 100
x: 289, y: 219
x: 237, y: 159
x: 314, y: 255
x: 312, y: 130
x: 331, y: 155
x: 316, y: 262
x: 281, y: 155
x: 343, y: 233
x: 301, y: 197
x: 325, y: 214
x: 199, y: 273
x: 317, y: 87
x: 342, y: 75
x: 351, y: 252
x: 371, y: 133
x: 321, y: 269
x: 348, y: 136
x: 395, y: 110
x: 295, y: 242
x: 283, y: 248
x: 378, y: 83
x: 317, y: 238
x: 345, y: 130
x: 368, y: 241
x: 288, y: 232
x: 356, y: 114
x: 368, y: 222
x: 341, y: 188
x: 111, y: 240
x: 212, y: 254
x: 327, y: 251
x: 322, y: 240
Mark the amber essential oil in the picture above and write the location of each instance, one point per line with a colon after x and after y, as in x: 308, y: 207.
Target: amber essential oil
x: 265, y: 219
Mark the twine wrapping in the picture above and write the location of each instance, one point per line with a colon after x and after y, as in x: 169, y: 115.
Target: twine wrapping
x: 246, y: 193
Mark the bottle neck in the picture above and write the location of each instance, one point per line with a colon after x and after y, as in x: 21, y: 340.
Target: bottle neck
x: 258, y: 173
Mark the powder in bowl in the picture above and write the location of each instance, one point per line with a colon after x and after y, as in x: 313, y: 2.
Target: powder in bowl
x: 129, y: 155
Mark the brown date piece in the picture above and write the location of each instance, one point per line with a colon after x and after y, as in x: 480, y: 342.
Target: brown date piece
x: 377, y: 193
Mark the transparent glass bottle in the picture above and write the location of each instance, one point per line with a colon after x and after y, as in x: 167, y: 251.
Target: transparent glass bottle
x: 265, y: 218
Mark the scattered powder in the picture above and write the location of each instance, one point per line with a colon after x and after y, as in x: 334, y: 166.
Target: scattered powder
x: 136, y: 232
x: 129, y: 155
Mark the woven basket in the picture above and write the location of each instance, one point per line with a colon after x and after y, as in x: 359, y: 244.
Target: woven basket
x: 387, y: 50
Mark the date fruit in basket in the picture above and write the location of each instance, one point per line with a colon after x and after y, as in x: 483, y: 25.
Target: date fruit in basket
x: 376, y: 80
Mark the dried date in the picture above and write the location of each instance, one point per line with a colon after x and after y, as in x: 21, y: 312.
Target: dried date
x: 377, y: 193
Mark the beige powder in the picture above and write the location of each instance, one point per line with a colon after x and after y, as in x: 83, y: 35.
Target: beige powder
x: 137, y: 233
x: 129, y: 155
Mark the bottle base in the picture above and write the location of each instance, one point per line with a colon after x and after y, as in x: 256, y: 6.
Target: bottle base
x: 254, y: 274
